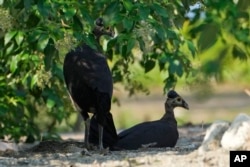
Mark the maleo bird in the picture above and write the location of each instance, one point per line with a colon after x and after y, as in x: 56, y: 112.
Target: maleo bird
x: 89, y: 83
x: 160, y: 133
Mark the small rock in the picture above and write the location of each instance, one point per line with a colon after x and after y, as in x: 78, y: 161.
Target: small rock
x: 213, y: 136
x: 8, y: 146
x: 238, y: 134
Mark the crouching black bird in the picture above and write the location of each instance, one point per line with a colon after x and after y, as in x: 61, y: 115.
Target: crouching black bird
x: 89, y: 83
x: 160, y: 133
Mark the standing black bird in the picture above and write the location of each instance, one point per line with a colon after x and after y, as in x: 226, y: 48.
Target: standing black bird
x: 160, y: 133
x: 90, y: 85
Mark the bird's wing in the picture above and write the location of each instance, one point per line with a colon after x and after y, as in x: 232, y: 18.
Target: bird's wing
x: 97, y: 74
x: 158, y: 132
x: 89, y: 67
x: 143, y: 129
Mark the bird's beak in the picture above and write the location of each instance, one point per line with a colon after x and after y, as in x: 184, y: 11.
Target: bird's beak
x: 185, y: 105
x: 111, y: 32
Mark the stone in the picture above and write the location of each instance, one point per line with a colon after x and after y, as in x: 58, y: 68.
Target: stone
x: 237, y: 136
x: 8, y: 146
x: 213, y: 136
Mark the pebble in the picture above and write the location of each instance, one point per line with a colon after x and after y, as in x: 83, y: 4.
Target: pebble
x: 237, y: 135
x: 213, y: 136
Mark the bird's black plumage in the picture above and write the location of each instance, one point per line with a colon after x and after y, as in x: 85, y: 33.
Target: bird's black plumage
x: 172, y: 94
x: 89, y: 82
x: 109, y: 136
x: 160, y: 133
x: 87, y: 66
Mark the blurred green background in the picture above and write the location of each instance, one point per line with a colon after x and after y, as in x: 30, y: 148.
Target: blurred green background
x: 199, y: 48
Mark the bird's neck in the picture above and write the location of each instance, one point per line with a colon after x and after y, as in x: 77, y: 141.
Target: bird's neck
x: 98, y: 43
x: 169, y: 114
x: 97, y: 38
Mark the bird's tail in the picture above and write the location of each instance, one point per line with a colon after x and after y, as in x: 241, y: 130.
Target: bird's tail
x: 110, y: 136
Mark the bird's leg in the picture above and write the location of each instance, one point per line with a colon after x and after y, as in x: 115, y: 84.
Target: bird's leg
x: 87, y: 128
x: 100, y: 131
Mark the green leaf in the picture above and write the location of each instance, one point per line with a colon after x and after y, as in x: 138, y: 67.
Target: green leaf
x: 128, y: 5
x: 50, y: 103
x: 163, y: 59
x: 34, y: 35
x: 123, y: 50
x: 149, y: 65
x: 116, y: 73
x: 13, y: 64
x: 44, y: 8
x: 170, y: 82
x: 34, y: 80
x: 117, y: 18
x: 42, y: 42
x: 160, y: 31
x: 141, y: 44
x: 130, y: 45
x: 50, y: 53
x: 208, y: 36
x: 144, y: 12
x: 111, y: 43
x: 10, y: 49
x: 109, y: 54
x: 175, y: 67
x: 69, y: 12
x: 19, y: 37
x: 186, y: 4
x: 171, y: 34
x: 212, y: 67
x: 191, y: 47
x: 8, y: 36
x: 239, y: 53
x: 112, y: 8
x: 24, y: 57
x: 160, y: 10
x: 127, y: 23
x: 3, y: 110
x: 77, y: 24
x: 86, y: 16
x: 27, y: 4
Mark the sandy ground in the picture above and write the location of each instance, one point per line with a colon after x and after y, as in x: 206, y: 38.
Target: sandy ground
x: 70, y: 153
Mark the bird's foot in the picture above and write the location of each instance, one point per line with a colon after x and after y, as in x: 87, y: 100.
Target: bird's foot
x: 95, y: 150
x: 104, y: 151
x: 90, y: 146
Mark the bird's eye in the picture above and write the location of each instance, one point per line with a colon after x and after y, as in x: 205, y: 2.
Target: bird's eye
x: 99, y: 22
x: 178, y: 99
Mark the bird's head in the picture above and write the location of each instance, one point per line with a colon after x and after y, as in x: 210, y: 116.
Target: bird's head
x: 100, y: 29
x: 175, y: 100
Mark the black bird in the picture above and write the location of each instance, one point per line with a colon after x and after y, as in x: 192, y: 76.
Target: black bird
x: 160, y: 133
x: 90, y: 85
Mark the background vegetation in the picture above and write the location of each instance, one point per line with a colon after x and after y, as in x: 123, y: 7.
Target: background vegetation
x: 150, y: 36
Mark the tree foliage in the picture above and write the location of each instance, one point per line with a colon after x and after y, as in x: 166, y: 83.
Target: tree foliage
x: 36, y: 34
